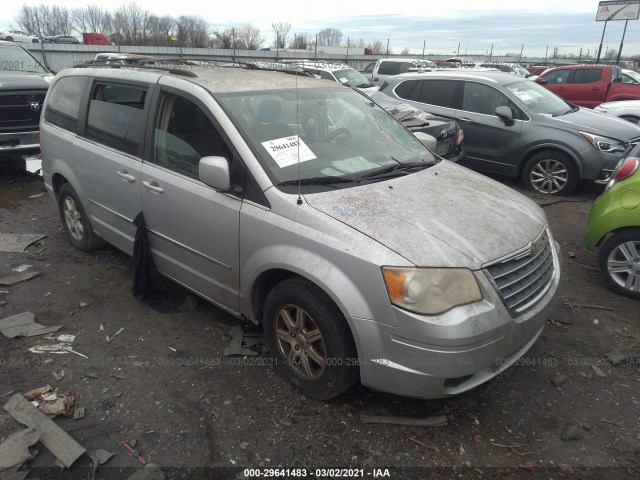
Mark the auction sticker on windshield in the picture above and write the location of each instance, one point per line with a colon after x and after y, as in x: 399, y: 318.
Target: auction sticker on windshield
x: 288, y: 151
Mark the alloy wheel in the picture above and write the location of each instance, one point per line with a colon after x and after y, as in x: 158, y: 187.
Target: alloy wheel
x: 300, y: 342
x: 73, y: 219
x: 549, y: 176
x: 623, y: 265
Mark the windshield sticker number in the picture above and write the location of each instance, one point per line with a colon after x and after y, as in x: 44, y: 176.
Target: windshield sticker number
x: 288, y: 151
x: 524, y: 96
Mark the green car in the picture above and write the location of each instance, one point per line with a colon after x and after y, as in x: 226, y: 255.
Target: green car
x: 614, y: 225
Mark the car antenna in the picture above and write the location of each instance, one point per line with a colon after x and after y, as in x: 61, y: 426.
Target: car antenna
x: 299, y: 201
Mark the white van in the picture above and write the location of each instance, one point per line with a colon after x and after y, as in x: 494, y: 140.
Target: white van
x: 388, y: 67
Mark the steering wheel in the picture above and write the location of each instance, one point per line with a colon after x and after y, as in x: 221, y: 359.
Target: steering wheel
x: 339, y: 133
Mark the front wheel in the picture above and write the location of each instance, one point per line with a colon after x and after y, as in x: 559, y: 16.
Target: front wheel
x: 620, y: 262
x: 550, y: 173
x: 75, y: 221
x: 309, y: 339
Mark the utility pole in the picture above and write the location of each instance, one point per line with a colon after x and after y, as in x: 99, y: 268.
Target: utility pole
x: 491, y: 52
x: 521, y: 50
x: 387, y: 47
x: 424, y: 45
x: 458, y: 52
x: 347, y: 50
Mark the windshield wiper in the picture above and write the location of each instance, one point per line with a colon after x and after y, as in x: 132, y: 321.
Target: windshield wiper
x: 399, y: 167
x: 316, y: 181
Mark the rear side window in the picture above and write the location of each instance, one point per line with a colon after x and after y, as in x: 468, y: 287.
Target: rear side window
x: 559, y: 76
x: 63, y: 106
x: 405, y: 89
x: 442, y: 93
x: 116, y: 116
x: 389, y: 68
x: 587, y: 76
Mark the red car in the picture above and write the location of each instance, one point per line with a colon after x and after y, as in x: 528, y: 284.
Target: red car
x: 588, y: 85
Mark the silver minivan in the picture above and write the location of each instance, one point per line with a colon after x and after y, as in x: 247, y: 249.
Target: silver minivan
x: 303, y: 206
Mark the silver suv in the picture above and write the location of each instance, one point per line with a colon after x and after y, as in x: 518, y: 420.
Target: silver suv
x: 513, y: 126
x: 303, y: 206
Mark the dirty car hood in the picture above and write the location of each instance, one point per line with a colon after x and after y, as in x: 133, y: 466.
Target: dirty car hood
x: 445, y: 215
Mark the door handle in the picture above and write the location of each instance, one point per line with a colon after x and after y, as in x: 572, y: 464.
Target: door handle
x: 126, y: 176
x: 153, y: 186
x: 465, y: 120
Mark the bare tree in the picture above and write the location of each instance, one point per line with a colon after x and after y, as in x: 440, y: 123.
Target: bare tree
x: 42, y: 20
x: 281, y: 29
x: 300, y: 41
x: 192, y: 31
x: 92, y: 18
x: 377, y: 47
x: 129, y: 21
x: 405, y: 51
x: 330, y: 37
x: 223, y: 38
x: 248, y: 37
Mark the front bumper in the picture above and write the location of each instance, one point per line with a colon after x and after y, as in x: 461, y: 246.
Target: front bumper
x: 19, y: 142
x: 436, y: 357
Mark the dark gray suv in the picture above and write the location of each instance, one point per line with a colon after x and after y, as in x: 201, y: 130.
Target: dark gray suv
x: 513, y: 126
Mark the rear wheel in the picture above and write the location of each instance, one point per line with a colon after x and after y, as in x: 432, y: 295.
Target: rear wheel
x: 75, y: 221
x: 550, y: 173
x: 309, y: 339
x: 620, y: 262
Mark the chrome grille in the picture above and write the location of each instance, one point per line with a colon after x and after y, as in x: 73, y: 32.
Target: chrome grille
x: 524, y: 277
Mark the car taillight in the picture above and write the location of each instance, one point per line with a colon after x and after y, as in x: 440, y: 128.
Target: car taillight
x: 623, y: 170
x: 459, y: 137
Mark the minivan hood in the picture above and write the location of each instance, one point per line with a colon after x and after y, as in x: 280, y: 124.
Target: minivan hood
x: 444, y: 216
x: 599, y: 123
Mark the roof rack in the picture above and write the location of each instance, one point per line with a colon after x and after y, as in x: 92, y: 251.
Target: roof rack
x: 136, y: 64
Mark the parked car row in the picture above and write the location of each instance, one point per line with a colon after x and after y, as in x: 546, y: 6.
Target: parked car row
x: 87, y: 38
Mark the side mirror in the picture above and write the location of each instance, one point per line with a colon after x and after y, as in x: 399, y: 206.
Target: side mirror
x: 541, y: 80
x: 214, y: 171
x: 505, y: 114
x: 427, y: 140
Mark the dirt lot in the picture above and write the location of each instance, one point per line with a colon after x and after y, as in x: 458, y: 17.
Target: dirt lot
x: 164, y: 382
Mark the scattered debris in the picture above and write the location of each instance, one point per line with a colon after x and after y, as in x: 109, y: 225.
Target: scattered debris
x: 58, y: 376
x: 24, y: 325
x: 14, y: 451
x: 56, y: 440
x: 58, y: 405
x: 64, y: 338
x: 243, y: 445
x: 10, y: 280
x: 17, y: 242
x: 55, y: 348
x: 243, y: 343
x: 623, y: 356
x: 36, y: 392
x: 36, y: 195
x: 78, y: 413
x: 172, y: 349
x: 598, y: 371
x: 109, y: 339
x: 103, y: 455
x: 428, y: 447
x: 571, y: 432
x: 89, y: 375
x: 435, y: 421
x: 130, y: 445
x: 84, y: 304
x: 596, y: 321
x: 572, y: 254
x: 573, y: 306
x: 558, y: 380
x: 119, y: 377
x: 21, y: 268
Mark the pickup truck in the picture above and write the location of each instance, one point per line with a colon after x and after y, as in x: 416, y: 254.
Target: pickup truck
x: 588, y: 85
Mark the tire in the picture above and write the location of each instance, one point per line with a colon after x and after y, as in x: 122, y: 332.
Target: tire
x: 550, y: 173
x: 309, y: 339
x: 631, y: 118
x: 75, y: 221
x: 620, y: 262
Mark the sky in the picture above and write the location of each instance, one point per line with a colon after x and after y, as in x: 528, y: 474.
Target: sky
x: 438, y: 27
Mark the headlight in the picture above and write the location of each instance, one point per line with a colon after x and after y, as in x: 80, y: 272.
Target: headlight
x: 430, y: 290
x: 604, y: 144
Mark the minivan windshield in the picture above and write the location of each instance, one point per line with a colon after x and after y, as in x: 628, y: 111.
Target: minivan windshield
x: 14, y: 59
x: 538, y: 99
x: 323, y: 136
